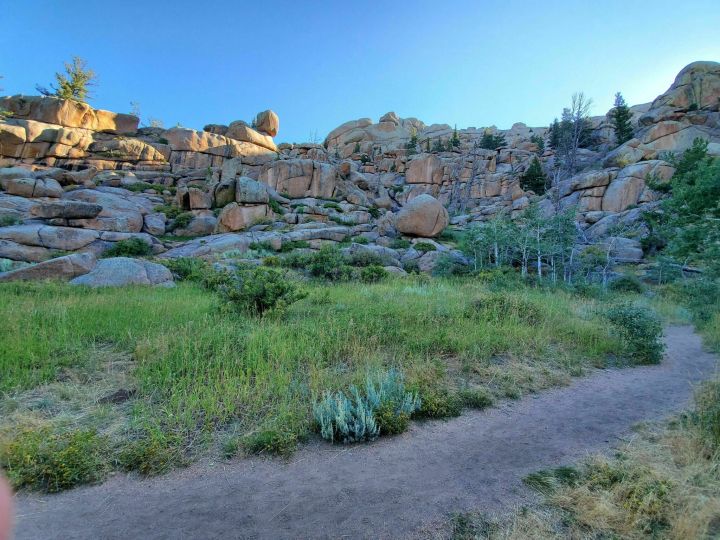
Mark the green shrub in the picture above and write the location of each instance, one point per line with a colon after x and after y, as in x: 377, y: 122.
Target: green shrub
x: 297, y: 260
x: 187, y: 268
x: 424, y: 247
x: 334, y: 206
x: 447, y: 266
x: 153, y: 451
x: 366, y: 258
x: 260, y: 289
x: 181, y: 221
x: 272, y: 260
x: 476, y: 398
x: 132, y: 247
x: 294, y: 244
x: 271, y: 441
x: 373, y: 273
x: 170, y: 211
x: 411, y: 267
x: 343, y: 221
x: 363, y: 240
x: 261, y: 246
x: 640, y: 330
x: 374, y: 212
x: 52, y: 462
x: 276, y: 207
x: 627, y: 284
x: 439, y: 403
x: 9, y: 220
x: 142, y: 186
x: 400, y: 243
x: 329, y: 263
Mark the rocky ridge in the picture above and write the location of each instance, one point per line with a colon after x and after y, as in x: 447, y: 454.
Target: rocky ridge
x: 77, y: 180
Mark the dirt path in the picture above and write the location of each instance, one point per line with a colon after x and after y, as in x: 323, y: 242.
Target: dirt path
x: 386, y: 489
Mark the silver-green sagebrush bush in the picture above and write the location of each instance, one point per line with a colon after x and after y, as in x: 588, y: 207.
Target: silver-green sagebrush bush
x: 383, y: 407
x: 640, y: 330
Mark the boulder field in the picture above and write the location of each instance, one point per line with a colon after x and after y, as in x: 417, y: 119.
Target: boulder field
x: 75, y: 181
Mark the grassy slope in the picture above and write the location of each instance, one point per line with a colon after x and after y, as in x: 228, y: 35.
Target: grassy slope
x: 203, y: 375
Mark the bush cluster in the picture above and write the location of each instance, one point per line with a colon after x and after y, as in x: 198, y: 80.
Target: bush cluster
x: 640, y: 330
x: 260, y: 289
x: 43, y: 460
x: 132, y: 247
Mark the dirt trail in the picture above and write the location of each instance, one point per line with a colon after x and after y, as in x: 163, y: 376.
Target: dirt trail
x: 387, y: 489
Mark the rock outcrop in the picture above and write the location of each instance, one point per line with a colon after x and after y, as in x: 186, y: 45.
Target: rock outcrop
x: 423, y: 216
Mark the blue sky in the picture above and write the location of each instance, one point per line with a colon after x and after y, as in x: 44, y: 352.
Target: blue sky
x: 321, y: 63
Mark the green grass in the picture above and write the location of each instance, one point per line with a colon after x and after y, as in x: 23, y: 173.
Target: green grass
x: 198, y: 370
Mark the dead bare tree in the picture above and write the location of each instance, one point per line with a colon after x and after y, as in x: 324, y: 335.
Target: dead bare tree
x: 573, y: 130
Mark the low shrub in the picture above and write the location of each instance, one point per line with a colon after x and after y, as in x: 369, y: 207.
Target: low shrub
x: 333, y: 206
x: 187, y: 268
x: 170, y: 211
x: 152, y: 451
x: 261, y: 246
x: 439, y: 403
x: 384, y: 406
x: 259, y: 289
x: 132, y: 247
x: 52, y: 462
x: 400, y: 243
x: 640, y: 330
x: 272, y: 260
x: 424, y: 247
x: 181, y: 221
x: 362, y: 240
x: 447, y: 266
x: 374, y: 212
x: 298, y: 260
x: 627, y: 284
x: 373, y: 273
x: 329, y: 263
x: 294, y: 244
x: 345, y: 420
x: 276, y: 207
x: 365, y: 258
x: 270, y: 441
x: 9, y: 221
x: 476, y: 398
x: 411, y: 267
x: 138, y: 187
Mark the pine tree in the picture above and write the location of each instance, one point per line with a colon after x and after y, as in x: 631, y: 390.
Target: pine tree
x: 439, y: 145
x: 555, y: 134
x: 620, y: 117
x: 74, y: 83
x: 455, y: 141
x: 534, y: 178
x: 492, y: 142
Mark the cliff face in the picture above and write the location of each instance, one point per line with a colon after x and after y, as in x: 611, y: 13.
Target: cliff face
x: 80, y: 179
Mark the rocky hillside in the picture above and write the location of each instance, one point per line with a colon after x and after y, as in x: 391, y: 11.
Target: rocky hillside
x: 76, y: 181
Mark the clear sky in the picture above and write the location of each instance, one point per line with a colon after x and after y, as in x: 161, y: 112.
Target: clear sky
x: 321, y: 63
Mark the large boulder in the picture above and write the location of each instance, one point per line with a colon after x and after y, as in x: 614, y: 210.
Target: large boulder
x: 250, y: 191
x: 64, y: 268
x: 696, y: 86
x: 423, y: 216
x: 267, y: 122
x: 240, y: 131
x: 122, y: 211
x: 425, y: 169
x: 120, y: 271
x: 66, y: 209
x: 69, y: 113
x: 32, y: 187
x: 45, y: 236
x: 237, y: 218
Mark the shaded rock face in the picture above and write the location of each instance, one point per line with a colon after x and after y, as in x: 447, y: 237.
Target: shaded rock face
x: 120, y: 271
x: 64, y: 268
x: 423, y: 216
x: 235, y: 217
x: 299, y: 178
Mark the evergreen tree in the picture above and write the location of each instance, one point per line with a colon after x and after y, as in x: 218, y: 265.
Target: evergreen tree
x: 620, y: 117
x: 554, y: 131
x: 455, y: 140
x: 534, y: 178
x: 492, y: 142
x: 439, y: 145
x: 540, y: 142
x: 74, y: 83
x: 412, y: 144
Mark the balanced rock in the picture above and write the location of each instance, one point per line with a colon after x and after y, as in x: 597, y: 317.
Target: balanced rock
x: 423, y: 216
x: 268, y: 122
